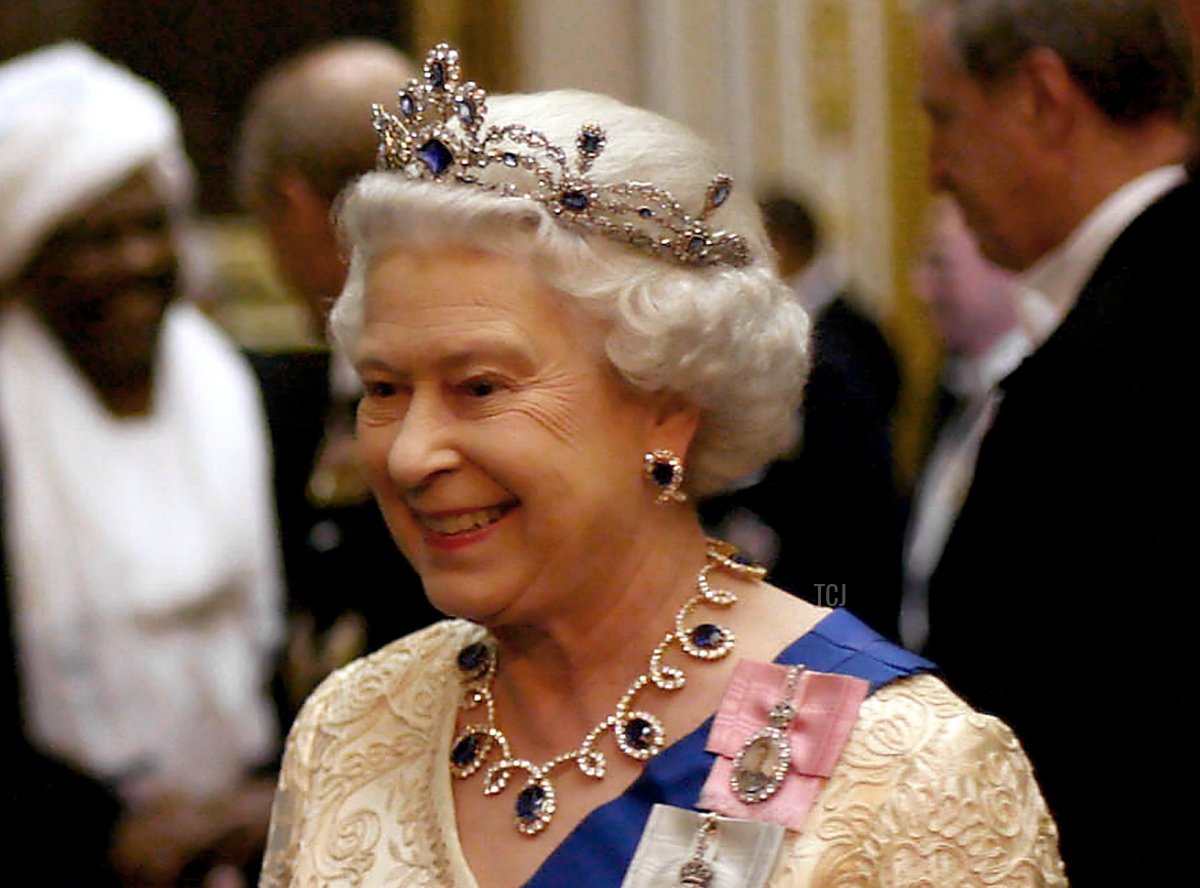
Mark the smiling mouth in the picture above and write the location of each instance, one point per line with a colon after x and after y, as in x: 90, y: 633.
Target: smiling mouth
x: 464, y: 522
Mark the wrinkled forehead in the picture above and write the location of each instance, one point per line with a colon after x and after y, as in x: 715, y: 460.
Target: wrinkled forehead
x: 462, y: 301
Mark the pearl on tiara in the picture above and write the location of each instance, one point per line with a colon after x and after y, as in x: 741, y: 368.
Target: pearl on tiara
x: 440, y: 136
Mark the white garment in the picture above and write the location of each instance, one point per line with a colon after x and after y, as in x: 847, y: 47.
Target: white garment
x: 146, y: 591
x: 1048, y: 290
x: 947, y: 476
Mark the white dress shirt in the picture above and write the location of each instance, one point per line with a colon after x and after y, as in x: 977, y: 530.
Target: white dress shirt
x: 1048, y: 290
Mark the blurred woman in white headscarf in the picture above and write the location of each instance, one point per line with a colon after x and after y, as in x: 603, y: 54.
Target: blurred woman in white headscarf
x: 140, y: 576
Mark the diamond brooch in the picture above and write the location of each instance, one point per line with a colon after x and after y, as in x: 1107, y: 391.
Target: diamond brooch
x: 761, y: 765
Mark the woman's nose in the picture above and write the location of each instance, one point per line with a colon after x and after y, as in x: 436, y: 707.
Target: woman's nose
x: 423, y: 446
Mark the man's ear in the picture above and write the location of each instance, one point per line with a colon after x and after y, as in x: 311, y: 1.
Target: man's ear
x: 297, y: 198
x: 1049, y: 96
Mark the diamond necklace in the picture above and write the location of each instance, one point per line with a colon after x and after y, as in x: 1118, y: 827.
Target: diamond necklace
x: 638, y: 734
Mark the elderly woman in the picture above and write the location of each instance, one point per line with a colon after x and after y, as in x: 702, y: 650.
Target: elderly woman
x: 138, y: 571
x: 569, y: 327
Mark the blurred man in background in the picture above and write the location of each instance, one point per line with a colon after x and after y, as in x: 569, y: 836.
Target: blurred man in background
x: 1058, y: 126
x: 971, y: 303
x: 306, y: 133
x: 828, y: 521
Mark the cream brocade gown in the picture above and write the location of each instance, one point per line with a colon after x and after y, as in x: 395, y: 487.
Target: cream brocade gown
x: 928, y: 792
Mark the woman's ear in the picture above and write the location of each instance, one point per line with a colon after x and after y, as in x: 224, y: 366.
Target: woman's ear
x: 675, y: 426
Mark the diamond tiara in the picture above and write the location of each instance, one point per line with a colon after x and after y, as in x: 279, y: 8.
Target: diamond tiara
x: 441, y: 136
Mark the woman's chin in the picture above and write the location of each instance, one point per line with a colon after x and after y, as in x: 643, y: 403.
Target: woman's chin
x: 453, y: 605
x: 466, y: 596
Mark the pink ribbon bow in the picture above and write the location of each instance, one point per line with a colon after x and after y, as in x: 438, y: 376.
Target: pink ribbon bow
x: 826, y: 709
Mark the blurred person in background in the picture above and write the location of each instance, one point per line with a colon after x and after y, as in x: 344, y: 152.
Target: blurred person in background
x: 140, y: 569
x: 306, y: 133
x: 972, y: 304
x: 1059, y: 128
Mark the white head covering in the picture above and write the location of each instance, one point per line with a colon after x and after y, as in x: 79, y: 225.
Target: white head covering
x: 73, y: 126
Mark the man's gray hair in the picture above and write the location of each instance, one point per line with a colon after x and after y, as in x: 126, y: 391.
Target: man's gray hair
x: 1132, y: 57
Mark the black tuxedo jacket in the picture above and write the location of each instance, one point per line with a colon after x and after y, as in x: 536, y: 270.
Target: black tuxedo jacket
x: 1054, y: 604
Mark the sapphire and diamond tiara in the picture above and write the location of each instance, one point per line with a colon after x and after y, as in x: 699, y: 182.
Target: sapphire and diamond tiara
x: 440, y: 135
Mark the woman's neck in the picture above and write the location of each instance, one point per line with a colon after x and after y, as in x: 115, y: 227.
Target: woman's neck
x: 125, y: 388
x: 128, y: 401
x: 579, y: 663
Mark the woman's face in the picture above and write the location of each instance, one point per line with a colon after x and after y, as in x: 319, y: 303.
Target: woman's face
x: 104, y: 281
x: 504, y: 452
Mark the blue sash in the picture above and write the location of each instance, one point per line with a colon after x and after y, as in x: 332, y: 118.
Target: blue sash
x: 598, y: 851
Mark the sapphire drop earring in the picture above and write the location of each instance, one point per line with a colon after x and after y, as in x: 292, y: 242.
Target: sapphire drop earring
x: 665, y: 470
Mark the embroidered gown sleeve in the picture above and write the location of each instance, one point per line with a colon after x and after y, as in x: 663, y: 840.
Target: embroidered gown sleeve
x: 359, y: 800
x: 928, y: 793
